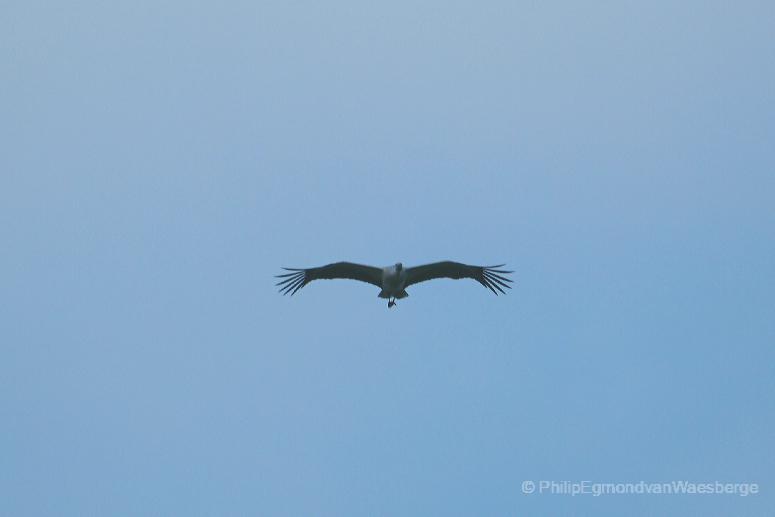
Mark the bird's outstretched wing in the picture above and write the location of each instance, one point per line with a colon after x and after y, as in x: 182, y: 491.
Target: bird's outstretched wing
x: 298, y: 278
x: 488, y: 276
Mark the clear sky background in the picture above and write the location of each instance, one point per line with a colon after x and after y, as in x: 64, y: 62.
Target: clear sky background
x: 160, y: 161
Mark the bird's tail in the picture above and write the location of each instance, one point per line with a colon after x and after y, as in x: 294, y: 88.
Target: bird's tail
x: 402, y: 294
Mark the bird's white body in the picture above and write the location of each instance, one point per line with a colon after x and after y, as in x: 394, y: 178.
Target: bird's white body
x: 393, y: 282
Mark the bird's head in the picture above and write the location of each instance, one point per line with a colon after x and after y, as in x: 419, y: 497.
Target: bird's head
x: 399, y: 267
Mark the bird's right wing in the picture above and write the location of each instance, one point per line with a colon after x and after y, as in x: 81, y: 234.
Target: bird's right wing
x: 298, y: 278
x: 489, y: 276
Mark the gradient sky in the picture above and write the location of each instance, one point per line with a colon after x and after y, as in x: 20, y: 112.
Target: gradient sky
x: 162, y: 160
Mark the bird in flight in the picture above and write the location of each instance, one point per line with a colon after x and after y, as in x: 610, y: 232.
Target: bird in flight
x: 393, y: 280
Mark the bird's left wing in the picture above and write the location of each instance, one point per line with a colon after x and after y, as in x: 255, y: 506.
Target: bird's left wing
x: 489, y: 276
x: 298, y: 278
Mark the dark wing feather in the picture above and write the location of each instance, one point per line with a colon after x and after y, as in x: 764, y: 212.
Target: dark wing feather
x: 298, y: 278
x: 489, y: 276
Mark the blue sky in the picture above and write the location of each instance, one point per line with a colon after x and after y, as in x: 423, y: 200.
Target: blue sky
x: 162, y: 160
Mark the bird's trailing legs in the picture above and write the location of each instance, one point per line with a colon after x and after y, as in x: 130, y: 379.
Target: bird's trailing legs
x: 391, y: 302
